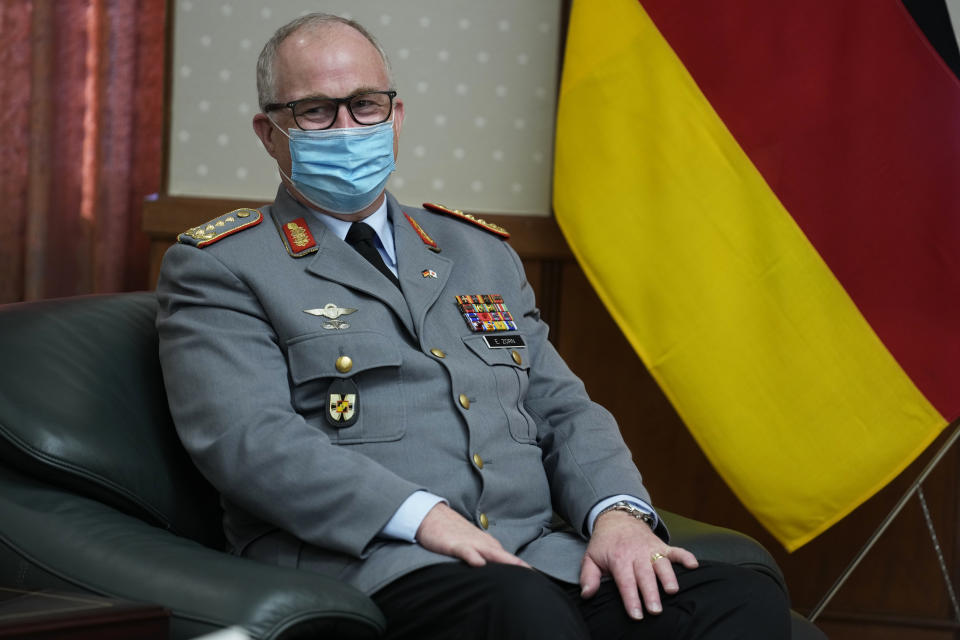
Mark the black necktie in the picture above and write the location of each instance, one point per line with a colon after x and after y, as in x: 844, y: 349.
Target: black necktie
x: 361, y: 237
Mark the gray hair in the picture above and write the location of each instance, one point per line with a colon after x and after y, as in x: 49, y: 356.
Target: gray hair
x: 266, y: 78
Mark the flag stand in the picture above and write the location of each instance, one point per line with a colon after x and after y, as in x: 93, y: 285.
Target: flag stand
x: 914, y: 488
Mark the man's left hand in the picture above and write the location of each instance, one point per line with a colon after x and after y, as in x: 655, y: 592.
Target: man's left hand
x: 627, y: 549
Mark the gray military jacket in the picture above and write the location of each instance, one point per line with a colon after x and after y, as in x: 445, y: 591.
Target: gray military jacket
x: 315, y: 427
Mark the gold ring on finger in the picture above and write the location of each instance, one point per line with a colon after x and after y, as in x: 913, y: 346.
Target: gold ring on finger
x: 656, y: 556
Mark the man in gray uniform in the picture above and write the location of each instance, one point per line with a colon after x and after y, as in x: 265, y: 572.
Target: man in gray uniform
x: 371, y: 389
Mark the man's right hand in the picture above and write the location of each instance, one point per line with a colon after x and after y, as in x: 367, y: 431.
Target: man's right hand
x: 445, y: 531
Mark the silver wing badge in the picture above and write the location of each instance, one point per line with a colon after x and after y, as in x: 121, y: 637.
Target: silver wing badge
x: 332, y: 312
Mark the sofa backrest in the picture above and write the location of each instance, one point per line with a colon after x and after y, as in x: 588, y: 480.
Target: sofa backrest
x: 83, y: 407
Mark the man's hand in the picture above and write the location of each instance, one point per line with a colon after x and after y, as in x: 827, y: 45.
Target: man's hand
x: 446, y: 531
x: 625, y: 547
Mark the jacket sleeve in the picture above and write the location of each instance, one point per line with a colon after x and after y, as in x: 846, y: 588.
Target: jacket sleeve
x: 585, y: 457
x: 228, y: 385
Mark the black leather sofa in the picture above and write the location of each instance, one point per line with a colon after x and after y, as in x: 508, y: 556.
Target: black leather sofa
x: 97, y: 495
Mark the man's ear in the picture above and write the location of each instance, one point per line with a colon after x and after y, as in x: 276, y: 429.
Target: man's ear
x: 267, y: 132
x: 398, y: 115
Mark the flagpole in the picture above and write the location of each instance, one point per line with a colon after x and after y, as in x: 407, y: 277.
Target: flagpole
x: 817, y: 610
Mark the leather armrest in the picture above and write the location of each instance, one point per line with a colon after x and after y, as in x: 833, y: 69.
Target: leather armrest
x: 710, y: 542
x: 53, y: 537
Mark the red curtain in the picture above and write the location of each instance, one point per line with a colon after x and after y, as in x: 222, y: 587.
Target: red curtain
x: 81, y: 107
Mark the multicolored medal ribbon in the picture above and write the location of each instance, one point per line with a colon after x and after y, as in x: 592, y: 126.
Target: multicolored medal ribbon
x: 485, y: 312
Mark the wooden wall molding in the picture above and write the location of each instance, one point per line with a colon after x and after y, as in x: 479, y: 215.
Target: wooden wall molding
x: 535, y: 238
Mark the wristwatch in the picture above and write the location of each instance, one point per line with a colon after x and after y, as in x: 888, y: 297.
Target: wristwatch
x: 633, y: 510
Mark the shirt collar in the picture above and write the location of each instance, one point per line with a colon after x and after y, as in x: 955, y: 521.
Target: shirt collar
x: 379, y: 221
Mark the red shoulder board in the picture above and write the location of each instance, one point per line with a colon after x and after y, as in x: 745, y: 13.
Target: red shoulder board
x: 427, y: 240
x: 221, y: 227
x: 480, y: 222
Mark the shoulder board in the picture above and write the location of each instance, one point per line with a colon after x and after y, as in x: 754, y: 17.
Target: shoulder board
x: 220, y: 227
x: 480, y: 222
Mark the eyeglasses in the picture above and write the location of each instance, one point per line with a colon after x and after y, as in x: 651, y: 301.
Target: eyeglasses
x: 370, y: 107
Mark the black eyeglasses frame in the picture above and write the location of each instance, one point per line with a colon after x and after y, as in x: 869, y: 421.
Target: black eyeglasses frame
x: 275, y: 106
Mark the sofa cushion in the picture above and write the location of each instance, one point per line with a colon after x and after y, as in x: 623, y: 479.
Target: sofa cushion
x: 82, y: 406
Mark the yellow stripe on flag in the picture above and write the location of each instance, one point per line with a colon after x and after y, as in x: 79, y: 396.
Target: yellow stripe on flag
x: 782, y: 382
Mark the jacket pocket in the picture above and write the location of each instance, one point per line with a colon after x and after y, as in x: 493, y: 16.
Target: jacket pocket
x: 368, y: 360
x: 511, y: 370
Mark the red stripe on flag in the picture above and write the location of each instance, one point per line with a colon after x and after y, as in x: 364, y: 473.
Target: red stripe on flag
x: 854, y: 122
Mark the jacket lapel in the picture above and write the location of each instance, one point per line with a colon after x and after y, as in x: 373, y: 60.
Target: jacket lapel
x: 423, y: 272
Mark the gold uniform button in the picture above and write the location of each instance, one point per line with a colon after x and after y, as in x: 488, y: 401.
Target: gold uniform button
x: 344, y: 364
x: 516, y: 357
x: 484, y: 522
x: 464, y: 401
x: 477, y: 460
x: 438, y: 352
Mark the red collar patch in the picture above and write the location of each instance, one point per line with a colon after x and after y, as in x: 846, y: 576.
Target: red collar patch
x: 427, y: 240
x: 299, y: 239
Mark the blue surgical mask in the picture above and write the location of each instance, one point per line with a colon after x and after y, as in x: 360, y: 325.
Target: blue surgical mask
x: 342, y: 170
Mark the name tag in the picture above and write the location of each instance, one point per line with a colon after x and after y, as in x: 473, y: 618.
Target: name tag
x: 504, y: 342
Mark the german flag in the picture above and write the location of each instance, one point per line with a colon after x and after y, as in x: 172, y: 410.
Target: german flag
x: 766, y: 196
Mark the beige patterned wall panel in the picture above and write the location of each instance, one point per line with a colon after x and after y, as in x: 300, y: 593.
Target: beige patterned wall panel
x: 478, y: 77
